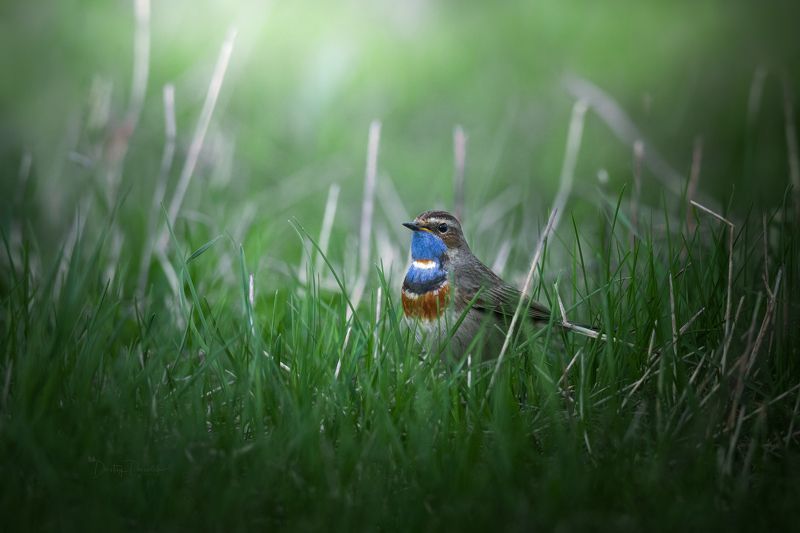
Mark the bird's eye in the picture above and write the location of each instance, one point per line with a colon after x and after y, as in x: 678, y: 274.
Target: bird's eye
x: 442, y: 228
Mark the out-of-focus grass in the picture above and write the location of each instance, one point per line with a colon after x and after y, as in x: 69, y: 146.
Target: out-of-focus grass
x: 305, y: 81
x: 184, y: 402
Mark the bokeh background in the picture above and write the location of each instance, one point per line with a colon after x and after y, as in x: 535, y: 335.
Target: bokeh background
x: 306, y: 78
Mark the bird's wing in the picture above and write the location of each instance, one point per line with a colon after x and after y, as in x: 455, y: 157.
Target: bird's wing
x: 497, y: 296
x: 503, y: 300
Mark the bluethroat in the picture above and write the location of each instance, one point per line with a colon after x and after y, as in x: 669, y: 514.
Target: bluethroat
x: 442, y: 281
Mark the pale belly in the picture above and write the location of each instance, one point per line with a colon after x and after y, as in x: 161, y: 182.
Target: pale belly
x: 440, y: 336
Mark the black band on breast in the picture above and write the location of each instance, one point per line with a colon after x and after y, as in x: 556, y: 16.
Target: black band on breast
x: 421, y: 287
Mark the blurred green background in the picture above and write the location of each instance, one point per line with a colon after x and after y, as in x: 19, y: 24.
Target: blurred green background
x: 306, y: 79
x: 304, y: 83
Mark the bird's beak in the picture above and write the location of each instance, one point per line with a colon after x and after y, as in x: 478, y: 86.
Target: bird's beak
x: 412, y: 226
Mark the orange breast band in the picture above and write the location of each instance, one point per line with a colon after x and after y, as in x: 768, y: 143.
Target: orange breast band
x: 426, y: 306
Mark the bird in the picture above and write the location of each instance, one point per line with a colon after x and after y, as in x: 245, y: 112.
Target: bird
x: 444, y: 279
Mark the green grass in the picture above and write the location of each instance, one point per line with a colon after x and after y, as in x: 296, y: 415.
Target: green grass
x: 202, y: 409
x: 149, y: 391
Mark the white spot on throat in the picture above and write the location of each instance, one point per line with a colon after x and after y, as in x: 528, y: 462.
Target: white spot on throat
x: 424, y: 264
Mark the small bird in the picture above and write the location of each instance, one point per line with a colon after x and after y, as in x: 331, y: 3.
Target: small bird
x: 442, y: 281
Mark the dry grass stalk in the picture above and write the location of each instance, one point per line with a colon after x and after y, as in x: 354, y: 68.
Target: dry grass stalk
x: 638, y: 157
x: 697, y: 369
x: 367, y: 208
x: 378, y: 301
x: 341, y: 354
x: 622, y: 126
x: 141, y: 62
x: 574, y: 136
x: 119, y: 138
x: 199, y: 136
x: 524, y: 298
x: 170, y: 132
x: 586, y: 332
x: 773, y: 401
x: 684, y: 328
x: 653, y: 355
x: 251, y: 299
x: 694, y: 179
x: 327, y: 224
x: 459, y: 163
x: 673, y: 317
x: 747, y: 360
x: 501, y: 259
x: 753, y: 320
x: 730, y: 336
x: 569, y: 367
x: 731, y: 227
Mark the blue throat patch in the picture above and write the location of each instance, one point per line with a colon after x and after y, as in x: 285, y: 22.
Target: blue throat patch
x: 428, y: 248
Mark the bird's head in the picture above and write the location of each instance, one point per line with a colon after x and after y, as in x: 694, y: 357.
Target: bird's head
x: 437, y: 234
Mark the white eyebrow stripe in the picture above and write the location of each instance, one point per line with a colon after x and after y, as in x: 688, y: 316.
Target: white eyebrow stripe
x: 425, y: 264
